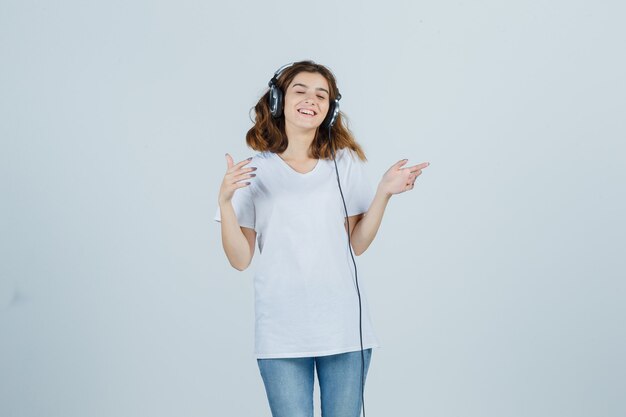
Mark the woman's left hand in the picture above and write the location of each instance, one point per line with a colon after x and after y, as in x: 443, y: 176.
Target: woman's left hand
x: 398, y: 180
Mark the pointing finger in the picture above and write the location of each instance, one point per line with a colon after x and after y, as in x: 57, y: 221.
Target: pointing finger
x: 419, y: 166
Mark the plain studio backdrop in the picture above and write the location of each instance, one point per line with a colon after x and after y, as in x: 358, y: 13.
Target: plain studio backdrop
x: 497, y: 286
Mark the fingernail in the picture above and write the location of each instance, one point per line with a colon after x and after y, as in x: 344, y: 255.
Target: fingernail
x: 250, y: 159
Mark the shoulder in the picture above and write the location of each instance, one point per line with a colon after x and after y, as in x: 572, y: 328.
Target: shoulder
x: 345, y: 155
x: 263, y: 155
x: 261, y: 158
x: 348, y: 157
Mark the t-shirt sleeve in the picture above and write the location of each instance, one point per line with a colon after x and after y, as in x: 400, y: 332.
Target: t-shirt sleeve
x: 243, y: 204
x: 360, y: 190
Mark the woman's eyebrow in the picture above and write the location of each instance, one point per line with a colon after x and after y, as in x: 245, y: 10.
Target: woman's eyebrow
x: 306, y: 86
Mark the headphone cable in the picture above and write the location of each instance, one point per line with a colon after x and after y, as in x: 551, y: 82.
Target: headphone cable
x: 355, y: 276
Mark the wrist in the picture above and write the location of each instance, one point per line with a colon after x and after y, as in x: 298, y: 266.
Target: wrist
x: 380, y: 191
x: 223, y: 203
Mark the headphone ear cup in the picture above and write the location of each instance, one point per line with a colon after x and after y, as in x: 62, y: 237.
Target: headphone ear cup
x: 276, y: 101
x: 333, y: 113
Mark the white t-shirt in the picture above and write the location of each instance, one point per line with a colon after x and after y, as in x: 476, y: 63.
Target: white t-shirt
x: 306, y: 303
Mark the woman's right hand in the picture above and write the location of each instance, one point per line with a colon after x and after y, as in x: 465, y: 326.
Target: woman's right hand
x: 234, y: 174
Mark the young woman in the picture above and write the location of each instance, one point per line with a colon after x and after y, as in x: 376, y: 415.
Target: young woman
x: 310, y: 177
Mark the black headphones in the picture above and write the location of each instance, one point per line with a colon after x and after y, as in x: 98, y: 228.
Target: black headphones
x: 276, y: 100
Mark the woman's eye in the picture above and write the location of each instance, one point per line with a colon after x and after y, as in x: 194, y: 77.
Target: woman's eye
x: 321, y: 97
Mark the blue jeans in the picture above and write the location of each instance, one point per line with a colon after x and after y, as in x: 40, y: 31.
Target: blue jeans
x: 289, y: 384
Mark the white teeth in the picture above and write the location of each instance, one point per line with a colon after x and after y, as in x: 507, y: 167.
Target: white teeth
x: 305, y: 111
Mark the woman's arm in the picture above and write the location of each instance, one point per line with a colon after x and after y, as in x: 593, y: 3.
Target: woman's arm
x: 363, y: 227
x: 238, y: 242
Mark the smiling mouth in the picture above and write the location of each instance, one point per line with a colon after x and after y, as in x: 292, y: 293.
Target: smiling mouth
x: 307, y: 112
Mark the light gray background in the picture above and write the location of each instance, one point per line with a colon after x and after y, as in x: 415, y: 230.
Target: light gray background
x: 496, y: 286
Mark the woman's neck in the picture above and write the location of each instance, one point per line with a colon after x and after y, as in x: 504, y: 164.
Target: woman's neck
x: 299, y: 143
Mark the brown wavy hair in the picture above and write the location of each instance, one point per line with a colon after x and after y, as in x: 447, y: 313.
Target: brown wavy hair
x: 268, y: 133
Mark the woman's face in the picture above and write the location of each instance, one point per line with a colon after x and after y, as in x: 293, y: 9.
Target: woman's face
x: 306, y: 100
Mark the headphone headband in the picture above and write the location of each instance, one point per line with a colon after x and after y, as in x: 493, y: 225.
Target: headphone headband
x: 278, y: 72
